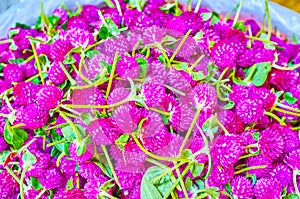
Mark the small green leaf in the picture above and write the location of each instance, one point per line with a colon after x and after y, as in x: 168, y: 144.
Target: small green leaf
x: 86, y: 118
x: 295, y: 39
x: 13, y: 46
x: 81, y: 149
x: 70, y: 134
x: 199, y: 35
x: 91, y: 53
x: 279, y: 94
x: 215, y: 18
x: 13, y: 32
x: 228, y: 188
x: 186, y: 153
x: 181, y: 66
x: 200, y: 184
x: 240, y: 25
x: 196, y: 169
x: 70, y: 184
x: 169, y: 42
x: 108, y: 67
x: 261, y: 73
x: 53, y: 20
x: 289, y: 98
x: 206, y: 16
x: 16, y: 61
x: 69, y: 60
x: 103, y: 33
x: 28, y: 158
x: 122, y: 140
x: 198, y: 76
x: 8, y: 134
x: 143, y: 66
x: 292, y: 196
x: 138, y: 4
x: 210, y: 125
x: 66, y: 148
x: 256, y: 136
x: 35, y: 183
x: 189, y: 184
x: 161, y: 58
x: 165, y: 119
x: 229, y: 105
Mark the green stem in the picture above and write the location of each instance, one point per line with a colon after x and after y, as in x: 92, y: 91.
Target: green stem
x: 41, y: 193
x: 109, y: 3
x: 72, y: 125
x: 269, y: 20
x: 114, y: 66
x: 118, y: 7
x: 103, y: 193
x: 169, y: 170
x: 70, y: 110
x: 180, y: 45
x: 12, y: 174
x: 157, y: 163
x: 23, y: 148
x: 218, y: 85
x: 250, y: 168
x: 295, y: 173
x: 281, y: 122
x: 286, y: 68
x: 248, y: 155
x: 189, y: 132
x: 36, y: 59
x: 177, y: 181
x: 134, y: 48
x: 195, y: 64
x: 110, y: 165
x: 160, y: 111
x: 287, y: 107
x: 84, y: 78
x: 286, y: 112
x: 73, y: 82
x: 29, y: 59
x: 189, y: 5
x: 198, y: 6
x: 182, y: 183
x: 59, y: 158
x: 93, y: 45
x: 222, y: 127
x: 5, y: 41
x: 55, y: 143
x: 236, y: 18
x: 70, y: 115
x: 22, y: 181
x: 175, y: 90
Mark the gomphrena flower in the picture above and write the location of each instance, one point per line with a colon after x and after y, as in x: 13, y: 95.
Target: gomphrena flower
x: 79, y: 37
x: 133, y: 193
x: 51, y: 177
x: 176, y: 80
x: 267, y: 97
x: 206, y: 96
x: 259, y: 160
x: 72, y: 193
x: 231, y: 122
x: 153, y: 93
x: 13, y: 73
x: 283, y: 174
x: 77, y: 22
x: 32, y: 193
x: 92, y: 188
x: 56, y: 74
x: 226, y: 150
x: 90, y: 13
x: 87, y: 155
x: 9, y: 187
x: 59, y: 49
x: 271, y: 143
x: 239, y: 92
x: 241, y: 187
x: 291, y: 139
x: 28, y: 68
x: 249, y: 110
x: 172, y: 149
x: 268, y: 188
x: 25, y: 93
x: 292, y: 159
x: 117, y: 95
x: 90, y: 170
x: 246, y: 59
x: 62, y: 14
x: 220, y: 176
x: 283, y: 80
x: 68, y: 166
x: 128, y: 180
x: 49, y: 97
x: 128, y: 67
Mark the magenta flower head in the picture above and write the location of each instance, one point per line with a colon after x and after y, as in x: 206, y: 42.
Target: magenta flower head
x: 59, y: 49
x: 206, y: 96
x: 267, y: 97
x: 9, y: 187
x: 246, y: 59
x: 79, y: 37
x: 51, y: 178
x: 239, y: 92
x: 241, y: 187
x: 29, y: 69
x: 249, y: 110
x: 259, y: 160
x: 87, y: 155
x: 283, y: 174
x: 226, y: 150
x: 271, y: 143
x: 89, y: 170
x: 62, y: 14
x: 49, y: 97
x: 13, y: 73
x: 283, y: 80
x: 25, y: 93
x: 220, y: 176
x: 128, y: 67
x: 268, y: 188
x: 90, y: 13
x: 153, y: 93
x: 292, y: 159
x: 133, y: 193
x: 291, y: 139
x: 231, y: 122
x: 68, y: 166
x: 77, y: 22
x: 92, y: 188
x: 32, y: 193
x: 56, y: 74
x: 73, y: 193
x: 129, y: 180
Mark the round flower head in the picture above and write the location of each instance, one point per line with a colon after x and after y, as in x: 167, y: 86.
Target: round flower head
x: 49, y: 97
x: 133, y: 193
x: 153, y: 93
x: 68, y: 166
x: 206, y: 96
x: 291, y: 139
x: 259, y: 160
x: 283, y: 80
x: 72, y: 193
x: 25, y: 93
x: 92, y: 188
x: 246, y: 59
x: 118, y: 95
x: 262, y: 54
x: 292, y: 159
x: 9, y: 187
x: 13, y: 73
x: 128, y: 180
x: 77, y: 22
x: 249, y: 110
x: 268, y: 188
x: 241, y: 187
x: 283, y: 174
x: 265, y: 95
x: 90, y: 13
x: 239, y: 92
x: 87, y: 155
x: 62, y: 14
x: 56, y: 74
x: 231, y: 122
x: 59, y: 49
x: 226, y: 150
x: 29, y: 69
x: 271, y: 143
x: 220, y: 176
x: 128, y: 67
x: 51, y: 178
x: 89, y: 170
x: 31, y: 193
x: 79, y: 37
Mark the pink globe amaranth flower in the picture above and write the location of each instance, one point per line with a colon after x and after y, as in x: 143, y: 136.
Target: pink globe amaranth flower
x: 113, y: 14
x: 9, y: 187
x: 292, y: 159
x: 267, y: 97
x: 248, y: 136
x: 153, y: 93
x: 206, y: 96
x: 77, y: 22
x: 246, y: 59
x: 87, y: 155
x: 127, y: 67
x: 268, y: 188
x: 25, y: 93
x: 156, y: 71
x: 56, y: 74
x: 3, y: 144
x: 103, y: 131
x: 13, y: 73
x: 59, y: 49
x: 133, y: 193
x: 20, y: 39
x: 176, y: 80
x: 32, y: 115
x: 196, y: 143
x: 261, y: 54
x: 271, y: 143
x: 51, y: 177
x: 152, y: 125
x: 90, y: 170
x: 29, y: 69
x: 68, y: 166
x: 153, y: 34
x: 66, y: 194
x: 242, y: 187
x: 62, y: 14
x: 283, y: 80
x: 226, y: 150
x: 291, y: 139
x: 90, y: 13
x: 249, y: 110
x: 259, y: 160
x: 92, y: 188
x: 172, y: 149
x: 31, y: 193
x: 80, y: 37
x: 253, y: 25
x: 283, y: 174
x: 231, y: 122
x: 129, y: 180
x: 49, y: 97
x: 4, y: 85
x: 239, y: 92
x: 220, y: 176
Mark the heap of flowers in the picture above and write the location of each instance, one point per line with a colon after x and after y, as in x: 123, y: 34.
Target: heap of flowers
x: 149, y: 99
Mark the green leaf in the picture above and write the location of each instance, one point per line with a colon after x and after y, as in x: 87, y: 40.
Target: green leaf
x: 19, y: 137
x: 169, y: 42
x: 161, y: 58
x: 210, y: 126
x: 261, y: 73
x: 70, y: 184
x: 112, y: 28
x: 53, y: 20
x: 122, y: 141
x: 70, y: 134
x: 16, y: 61
x: 295, y: 39
x: 199, y: 35
x: 13, y: 46
x: 35, y: 183
x: 69, y: 59
x: 292, y: 196
x: 159, y: 188
x: 8, y: 134
x: 103, y: 33
x: 196, y: 169
x: 66, y: 148
x: 28, y: 158
x: 215, y: 18
x: 189, y: 184
x: 86, y: 118
x: 181, y: 66
x: 289, y: 98
x: 55, y: 152
x: 240, y: 25
x: 143, y: 66
x: 13, y: 32
x: 38, y: 24
x: 91, y: 53
x: 81, y: 149
x: 206, y: 16
x: 200, y: 184
x: 279, y: 94
x: 228, y: 188
x: 256, y: 136
x: 108, y: 67
x: 138, y: 4
x: 229, y: 105
x: 198, y: 76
